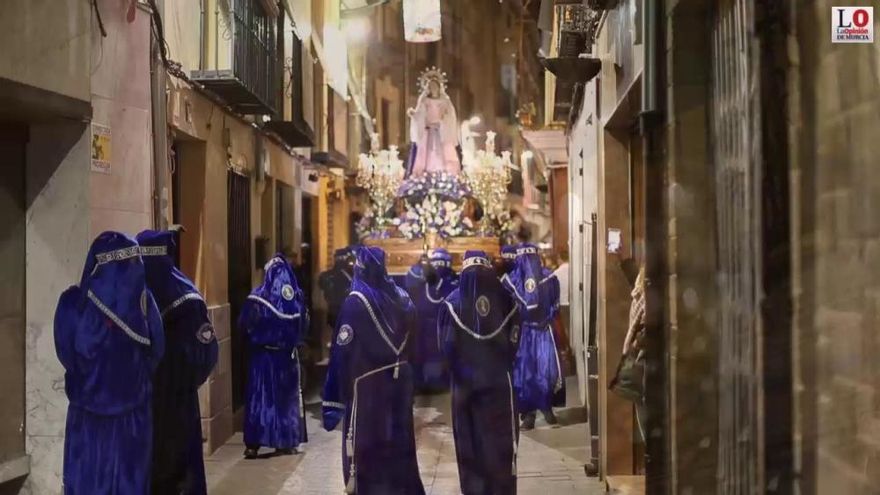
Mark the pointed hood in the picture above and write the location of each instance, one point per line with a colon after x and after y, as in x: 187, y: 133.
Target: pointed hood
x: 389, y: 302
x: 169, y: 285
x: 280, y: 290
x: 529, y: 283
x: 113, y: 280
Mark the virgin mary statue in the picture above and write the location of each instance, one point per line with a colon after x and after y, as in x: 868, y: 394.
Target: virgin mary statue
x: 433, y: 129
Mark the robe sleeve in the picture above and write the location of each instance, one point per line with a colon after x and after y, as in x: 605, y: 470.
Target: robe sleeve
x: 66, y: 319
x: 514, y: 330
x: 337, y: 384
x: 157, y: 334
x: 199, y: 343
x: 554, y: 296
x: 446, y: 332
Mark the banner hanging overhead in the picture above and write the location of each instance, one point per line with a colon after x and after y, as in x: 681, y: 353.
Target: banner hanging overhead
x: 421, y: 21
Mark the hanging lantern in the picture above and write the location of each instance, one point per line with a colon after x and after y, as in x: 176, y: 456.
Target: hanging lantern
x: 421, y: 21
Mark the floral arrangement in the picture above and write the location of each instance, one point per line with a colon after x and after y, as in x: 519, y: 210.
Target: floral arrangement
x: 434, y: 215
x: 371, y: 226
x: 442, y: 184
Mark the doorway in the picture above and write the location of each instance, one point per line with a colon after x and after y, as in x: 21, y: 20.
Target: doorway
x: 239, y: 255
x: 13, y: 140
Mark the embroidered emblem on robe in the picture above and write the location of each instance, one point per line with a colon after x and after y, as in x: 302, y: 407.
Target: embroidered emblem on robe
x: 205, y: 334
x: 287, y: 292
x: 531, y: 285
x: 345, y: 335
x: 483, y: 306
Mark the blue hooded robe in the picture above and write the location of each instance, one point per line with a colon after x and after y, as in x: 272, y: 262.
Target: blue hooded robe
x: 108, y: 337
x: 274, y: 318
x: 478, y: 326
x: 537, y: 374
x: 336, y: 282
x: 427, y: 291
x: 369, y: 385
x: 190, y: 355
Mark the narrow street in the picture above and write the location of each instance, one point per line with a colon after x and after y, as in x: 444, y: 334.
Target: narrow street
x: 550, y: 459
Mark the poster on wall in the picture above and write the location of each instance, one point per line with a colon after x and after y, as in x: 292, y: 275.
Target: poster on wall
x: 100, y: 148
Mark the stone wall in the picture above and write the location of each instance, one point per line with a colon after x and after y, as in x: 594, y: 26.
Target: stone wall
x: 57, y: 242
x: 835, y: 98
x: 121, y: 200
x: 690, y: 292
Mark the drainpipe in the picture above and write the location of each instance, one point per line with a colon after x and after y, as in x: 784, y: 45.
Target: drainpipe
x: 656, y: 374
x: 160, y: 130
x: 203, y: 25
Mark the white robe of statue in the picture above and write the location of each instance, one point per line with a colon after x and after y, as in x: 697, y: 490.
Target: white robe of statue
x: 434, y: 130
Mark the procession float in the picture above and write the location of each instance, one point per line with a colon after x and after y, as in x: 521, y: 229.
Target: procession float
x: 446, y: 194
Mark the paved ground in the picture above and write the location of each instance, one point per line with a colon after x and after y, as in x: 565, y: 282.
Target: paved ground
x: 550, y: 460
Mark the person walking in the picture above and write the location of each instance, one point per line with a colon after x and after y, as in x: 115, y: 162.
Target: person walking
x: 537, y: 374
x: 428, y: 283
x: 190, y: 355
x: 109, y: 338
x: 479, y: 329
x: 275, y: 319
x: 369, y: 387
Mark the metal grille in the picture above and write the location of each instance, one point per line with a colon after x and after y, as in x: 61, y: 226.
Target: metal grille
x: 253, y: 46
x: 735, y: 135
x: 239, y: 256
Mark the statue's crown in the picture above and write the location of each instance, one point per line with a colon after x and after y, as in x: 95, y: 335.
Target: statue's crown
x: 432, y: 74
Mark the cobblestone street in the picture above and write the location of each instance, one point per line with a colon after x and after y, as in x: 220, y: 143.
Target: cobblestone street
x: 550, y: 459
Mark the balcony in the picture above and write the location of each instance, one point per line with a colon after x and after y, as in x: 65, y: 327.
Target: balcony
x: 575, y: 29
x: 240, y: 62
x: 294, y: 122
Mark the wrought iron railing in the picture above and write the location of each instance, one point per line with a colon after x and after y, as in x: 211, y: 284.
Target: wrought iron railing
x: 254, y: 60
x: 577, y: 29
x: 244, y: 69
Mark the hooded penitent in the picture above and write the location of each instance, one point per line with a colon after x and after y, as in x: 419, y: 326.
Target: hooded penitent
x: 478, y: 327
x: 369, y: 385
x: 336, y: 282
x: 537, y: 373
x: 108, y: 336
x: 508, y: 258
x: 428, y: 285
x: 190, y: 355
x: 274, y: 318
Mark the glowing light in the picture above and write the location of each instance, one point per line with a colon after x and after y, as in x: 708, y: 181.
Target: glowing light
x: 475, y: 120
x: 336, y: 51
x: 357, y: 30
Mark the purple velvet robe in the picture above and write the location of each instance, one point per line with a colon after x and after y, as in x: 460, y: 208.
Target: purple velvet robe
x: 428, y: 288
x: 369, y: 387
x: 478, y: 327
x: 275, y: 318
x: 109, y: 338
x: 537, y: 374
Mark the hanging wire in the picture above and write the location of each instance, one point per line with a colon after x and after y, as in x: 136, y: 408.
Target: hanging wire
x: 100, y: 20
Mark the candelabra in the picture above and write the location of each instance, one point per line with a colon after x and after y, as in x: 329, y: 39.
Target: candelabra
x: 380, y: 172
x: 488, y: 175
